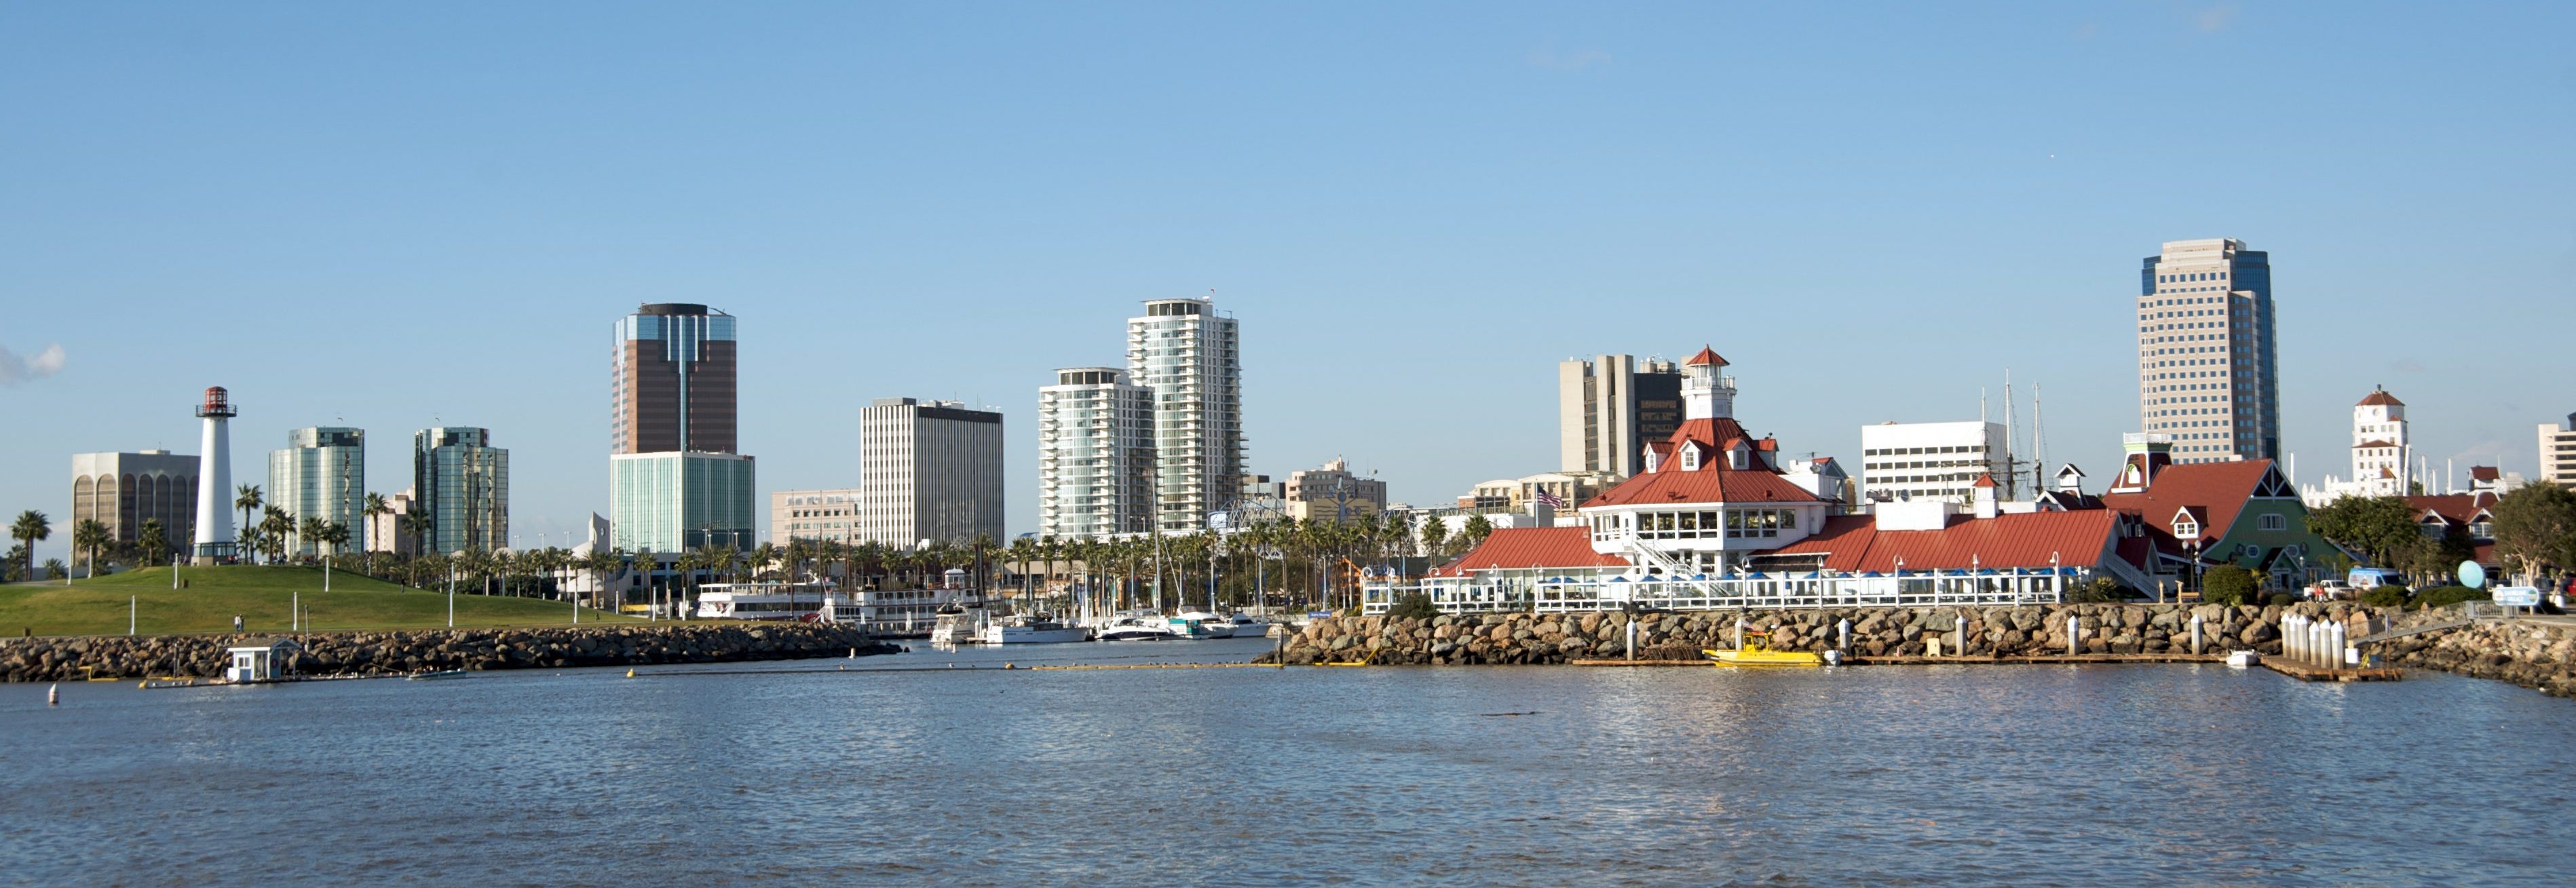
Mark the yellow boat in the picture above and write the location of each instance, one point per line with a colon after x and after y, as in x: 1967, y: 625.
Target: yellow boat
x: 1754, y: 654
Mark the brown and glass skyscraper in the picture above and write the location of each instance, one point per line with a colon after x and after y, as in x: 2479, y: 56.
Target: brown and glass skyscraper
x: 673, y: 389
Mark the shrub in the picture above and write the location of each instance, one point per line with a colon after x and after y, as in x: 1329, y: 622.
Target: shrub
x: 2282, y: 599
x: 2446, y: 596
x: 2385, y: 596
x: 2102, y: 589
x: 2227, y: 584
x: 1414, y: 605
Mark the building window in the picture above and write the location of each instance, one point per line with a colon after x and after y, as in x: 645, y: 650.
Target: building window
x: 2274, y: 522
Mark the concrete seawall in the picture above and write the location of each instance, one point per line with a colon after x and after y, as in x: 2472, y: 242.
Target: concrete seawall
x: 2541, y: 661
x: 368, y: 653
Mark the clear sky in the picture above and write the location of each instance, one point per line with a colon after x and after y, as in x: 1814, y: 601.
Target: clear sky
x: 394, y: 218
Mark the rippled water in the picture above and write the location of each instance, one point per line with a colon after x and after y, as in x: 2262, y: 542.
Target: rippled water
x: 769, y: 773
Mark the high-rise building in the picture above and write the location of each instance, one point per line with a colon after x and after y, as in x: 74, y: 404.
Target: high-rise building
x: 1932, y: 460
x: 1188, y: 355
x: 672, y: 388
x: 385, y: 533
x: 672, y: 502
x: 322, y: 474
x: 1095, y: 454
x: 929, y: 471
x: 1609, y: 407
x: 815, y: 515
x: 464, y: 487
x: 2208, y: 376
x: 123, y: 490
x: 2558, y: 453
x: 213, y: 541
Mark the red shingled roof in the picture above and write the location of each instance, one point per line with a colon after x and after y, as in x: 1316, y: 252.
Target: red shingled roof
x: 1523, y: 547
x: 2380, y: 398
x: 2222, y: 488
x: 1853, y: 543
x: 1714, y: 481
x: 2482, y: 473
x: 2457, y: 508
x: 1706, y: 357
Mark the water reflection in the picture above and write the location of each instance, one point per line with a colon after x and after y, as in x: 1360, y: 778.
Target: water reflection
x: 803, y: 773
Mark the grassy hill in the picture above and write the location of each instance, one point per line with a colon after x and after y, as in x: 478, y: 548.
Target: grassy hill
x: 260, y: 595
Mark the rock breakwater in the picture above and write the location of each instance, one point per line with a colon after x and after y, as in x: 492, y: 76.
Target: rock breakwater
x: 2540, y: 656
x: 2536, y: 655
x: 2037, y: 630
x: 372, y: 653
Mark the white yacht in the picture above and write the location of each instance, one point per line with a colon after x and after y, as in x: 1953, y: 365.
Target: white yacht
x: 1246, y: 626
x: 1201, y: 624
x: 956, y: 626
x: 1028, y: 629
x: 1135, y: 627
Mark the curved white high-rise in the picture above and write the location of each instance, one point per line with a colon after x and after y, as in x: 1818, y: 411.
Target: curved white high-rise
x: 214, y: 537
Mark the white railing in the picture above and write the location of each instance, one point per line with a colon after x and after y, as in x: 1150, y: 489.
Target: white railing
x: 1561, y: 595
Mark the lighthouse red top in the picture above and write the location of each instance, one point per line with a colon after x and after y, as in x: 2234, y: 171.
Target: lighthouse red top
x: 217, y: 404
x: 1707, y: 357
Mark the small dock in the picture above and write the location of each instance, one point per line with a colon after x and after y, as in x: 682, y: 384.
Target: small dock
x: 2310, y: 672
x: 1699, y: 662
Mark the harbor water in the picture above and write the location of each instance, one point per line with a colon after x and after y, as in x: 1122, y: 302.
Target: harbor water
x: 852, y: 772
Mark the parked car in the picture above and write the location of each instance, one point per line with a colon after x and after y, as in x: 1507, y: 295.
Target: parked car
x: 2373, y: 577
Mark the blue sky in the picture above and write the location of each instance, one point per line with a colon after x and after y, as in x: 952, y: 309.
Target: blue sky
x: 392, y: 218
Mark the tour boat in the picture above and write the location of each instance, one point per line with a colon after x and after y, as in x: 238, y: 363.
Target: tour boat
x: 1753, y: 653
x: 1135, y: 627
x: 1026, y: 629
x: 770, y: 601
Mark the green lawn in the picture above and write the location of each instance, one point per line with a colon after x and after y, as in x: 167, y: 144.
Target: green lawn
x: 260, y: 596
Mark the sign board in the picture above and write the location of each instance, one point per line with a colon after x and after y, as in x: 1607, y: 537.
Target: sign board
x: 2473, y: 576
x: 2518, y: 596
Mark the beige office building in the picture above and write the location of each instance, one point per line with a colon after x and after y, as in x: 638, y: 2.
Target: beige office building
x: 1609, y: 407
x: 814, y: 516
x: 929, y: 471
x: 1332, y: 493
x: 2207, y: 372
x: 123, y: 490
x: 2558, y: 453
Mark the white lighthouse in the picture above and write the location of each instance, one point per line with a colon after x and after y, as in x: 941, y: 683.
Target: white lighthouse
x: 214, y: 542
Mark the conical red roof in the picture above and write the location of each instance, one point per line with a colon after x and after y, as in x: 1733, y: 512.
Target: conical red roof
x: 2380, y: 398
x: 1706, y: 357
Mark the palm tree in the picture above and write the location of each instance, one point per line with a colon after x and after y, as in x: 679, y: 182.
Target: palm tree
x: 31, y: 528
x: 373, y: 507
x: 248, y: 542
x: 762, y: 558
x: 87, y: 537
x: 246, y: 498
x: 415, y: 524
x: 335, y: 535
x: 154, y: 540
x: 309, y: 531
x: 275, y: 526
x: 599, y: 564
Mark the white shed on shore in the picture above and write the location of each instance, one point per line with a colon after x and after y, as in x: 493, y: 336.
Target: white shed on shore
x: 259, y: 660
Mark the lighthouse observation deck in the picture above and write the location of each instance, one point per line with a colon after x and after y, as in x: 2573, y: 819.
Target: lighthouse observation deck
x: 217, y: 404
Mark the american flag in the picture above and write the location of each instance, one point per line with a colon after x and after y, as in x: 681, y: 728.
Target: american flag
x: 1552, y: 500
